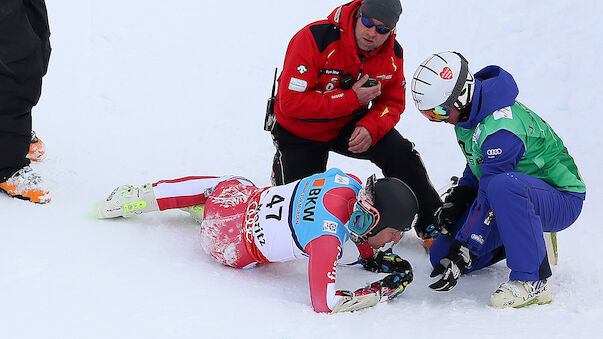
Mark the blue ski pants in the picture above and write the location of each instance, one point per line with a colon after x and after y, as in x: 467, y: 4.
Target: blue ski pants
x: 524, y: 207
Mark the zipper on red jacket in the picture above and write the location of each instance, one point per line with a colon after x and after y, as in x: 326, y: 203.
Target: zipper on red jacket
x: 361, y: 72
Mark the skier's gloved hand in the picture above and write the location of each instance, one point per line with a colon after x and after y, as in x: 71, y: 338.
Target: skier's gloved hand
x: 450, y: 267
x: 426, y: 231
x: 431, y: 232
x: 380, y: 291
x: 386, y: 262
x: 394, y: 284
x: 359, y: 299
x: 457, y: 201
x: 389, y: 287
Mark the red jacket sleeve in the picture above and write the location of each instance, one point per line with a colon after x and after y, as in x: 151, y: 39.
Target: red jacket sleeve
x: 323, y: 252
x: 298, y: 97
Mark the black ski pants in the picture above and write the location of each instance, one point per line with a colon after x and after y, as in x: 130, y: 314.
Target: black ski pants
x: 396, y: 156
x: 24, y: 55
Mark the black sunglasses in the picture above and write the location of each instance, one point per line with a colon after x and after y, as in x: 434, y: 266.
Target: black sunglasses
x: 368, y: 23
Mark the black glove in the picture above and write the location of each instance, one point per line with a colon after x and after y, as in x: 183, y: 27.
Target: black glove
x: 394, y: 284
x: 457, y: 201
x: 426, y: 231
x: 450, y: 267
x: 430, y: 232
x: 381, y: 290
x: 389, y: 287
x: 386, y: 262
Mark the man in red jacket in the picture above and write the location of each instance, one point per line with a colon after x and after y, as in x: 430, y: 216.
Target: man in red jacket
x: 342, y: 89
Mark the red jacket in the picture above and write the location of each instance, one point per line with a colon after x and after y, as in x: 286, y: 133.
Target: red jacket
x: 310, y: 103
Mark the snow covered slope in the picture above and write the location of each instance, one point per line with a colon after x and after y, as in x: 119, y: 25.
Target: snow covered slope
x: 142, y: 90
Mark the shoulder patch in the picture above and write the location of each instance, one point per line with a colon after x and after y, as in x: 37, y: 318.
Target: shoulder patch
x: 329, y: 226
x: 476, y: 134
x: 398, y: 49
x: 503, y: 113
x: 324, y: 35
x: 342, y: 180
x: 297, y: 85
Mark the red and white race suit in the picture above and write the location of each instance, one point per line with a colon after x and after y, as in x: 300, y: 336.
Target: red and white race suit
x: 236, y: 232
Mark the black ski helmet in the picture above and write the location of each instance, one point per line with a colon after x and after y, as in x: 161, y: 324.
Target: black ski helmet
x: 396, y: 203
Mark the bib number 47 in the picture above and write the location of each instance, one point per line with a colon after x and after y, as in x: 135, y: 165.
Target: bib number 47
x: 275, y: 201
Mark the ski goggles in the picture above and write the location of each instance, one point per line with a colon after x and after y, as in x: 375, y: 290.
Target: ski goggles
x: 368, y: 23
x: 436, y: 114
x: 364, y: 218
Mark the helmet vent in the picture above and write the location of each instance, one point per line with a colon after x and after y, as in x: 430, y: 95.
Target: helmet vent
x: 439, y: 56
x: 434, y: 72
x: 419, y: 80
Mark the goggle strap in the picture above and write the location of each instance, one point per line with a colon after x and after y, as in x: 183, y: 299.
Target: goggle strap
x: 370, y: 188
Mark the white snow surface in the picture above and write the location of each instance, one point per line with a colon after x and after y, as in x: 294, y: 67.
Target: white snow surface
x: 143, y: 90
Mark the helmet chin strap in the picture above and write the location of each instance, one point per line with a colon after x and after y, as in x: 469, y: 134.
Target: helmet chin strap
x: 465, y: 112
x: 358, y: 239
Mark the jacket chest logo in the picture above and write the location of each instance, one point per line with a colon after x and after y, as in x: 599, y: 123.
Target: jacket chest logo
x: 330, y: 71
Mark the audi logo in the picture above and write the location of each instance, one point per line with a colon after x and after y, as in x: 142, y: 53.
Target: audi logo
x: 493, y: 152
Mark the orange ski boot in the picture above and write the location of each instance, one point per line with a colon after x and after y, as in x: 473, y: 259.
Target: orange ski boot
x: 37, y: 149
x: 27, y: 185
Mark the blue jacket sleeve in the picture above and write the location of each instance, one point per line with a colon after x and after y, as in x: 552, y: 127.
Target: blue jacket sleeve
x: 502, y: 152
x: 468, y: 179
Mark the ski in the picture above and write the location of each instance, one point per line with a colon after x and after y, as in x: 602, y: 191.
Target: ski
x: 550, y: 240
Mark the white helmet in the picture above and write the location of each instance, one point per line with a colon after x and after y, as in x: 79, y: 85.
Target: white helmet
x: 442, y: 81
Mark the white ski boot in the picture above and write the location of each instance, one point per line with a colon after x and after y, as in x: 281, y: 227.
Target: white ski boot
x: 521, y: 293
x: 126, y: 201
